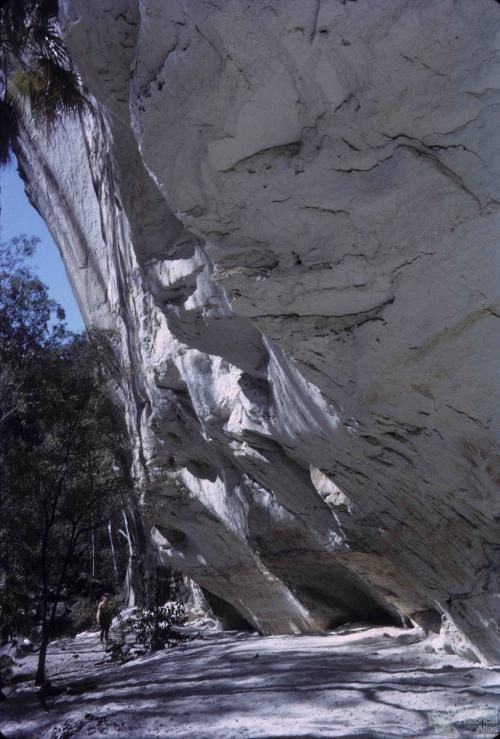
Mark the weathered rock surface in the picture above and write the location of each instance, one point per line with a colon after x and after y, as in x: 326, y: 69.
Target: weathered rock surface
x: 286, y: 214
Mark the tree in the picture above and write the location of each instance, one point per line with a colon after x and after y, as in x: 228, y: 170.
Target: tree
x: 158, y: 623
x: 59, y: 436
x: 36, y: 72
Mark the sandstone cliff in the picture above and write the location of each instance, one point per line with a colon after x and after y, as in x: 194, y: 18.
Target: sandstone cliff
x: 286, y: 216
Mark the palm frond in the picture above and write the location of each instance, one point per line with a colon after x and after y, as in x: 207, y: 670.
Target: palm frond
x: 14, y: 25
x: 46, y: 41
x: 35, y: 68
x: 8, y: 129
x: 49, y: 90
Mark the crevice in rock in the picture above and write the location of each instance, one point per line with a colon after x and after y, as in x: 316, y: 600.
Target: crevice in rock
x: 230, y: 618
x: 288, y: 150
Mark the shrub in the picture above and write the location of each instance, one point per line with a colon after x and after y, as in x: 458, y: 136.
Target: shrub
x: 6, y: 672
x: 158, y: 624
x: 83, y: 614
x: 159, y: 627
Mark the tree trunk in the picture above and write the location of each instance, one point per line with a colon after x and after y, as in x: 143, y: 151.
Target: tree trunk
x: 132, y: 576
x: 93, y: 546
x: 40, y: 672
x: 113, y: 552
x: 141, y: 562
x: 48, y: 620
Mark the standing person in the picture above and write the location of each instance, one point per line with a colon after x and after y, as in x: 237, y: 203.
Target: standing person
x: 104, y: 617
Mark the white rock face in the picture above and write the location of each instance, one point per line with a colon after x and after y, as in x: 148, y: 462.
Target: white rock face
x: 287, y: 215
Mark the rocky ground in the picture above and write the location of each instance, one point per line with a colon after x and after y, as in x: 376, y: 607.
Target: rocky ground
x: 357, y: 681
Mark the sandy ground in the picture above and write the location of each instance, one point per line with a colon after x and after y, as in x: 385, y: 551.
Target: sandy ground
x: 354, y: 682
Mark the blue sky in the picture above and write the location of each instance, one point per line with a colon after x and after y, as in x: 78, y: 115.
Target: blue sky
x: 17, y: 217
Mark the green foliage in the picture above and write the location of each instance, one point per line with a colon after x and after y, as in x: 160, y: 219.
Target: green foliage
x: 29, y: 319
x: 158, y: 624
x: 48, y: 90
x: 15, y: 605
x: 9, y: 128
x: 6, y: 670
x: 82, y: 615
x: 36, y: 73
x: 158, y: 627
x: 59, y: 437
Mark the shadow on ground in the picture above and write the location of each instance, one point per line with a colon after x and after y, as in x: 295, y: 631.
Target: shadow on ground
x: 374, y: 682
